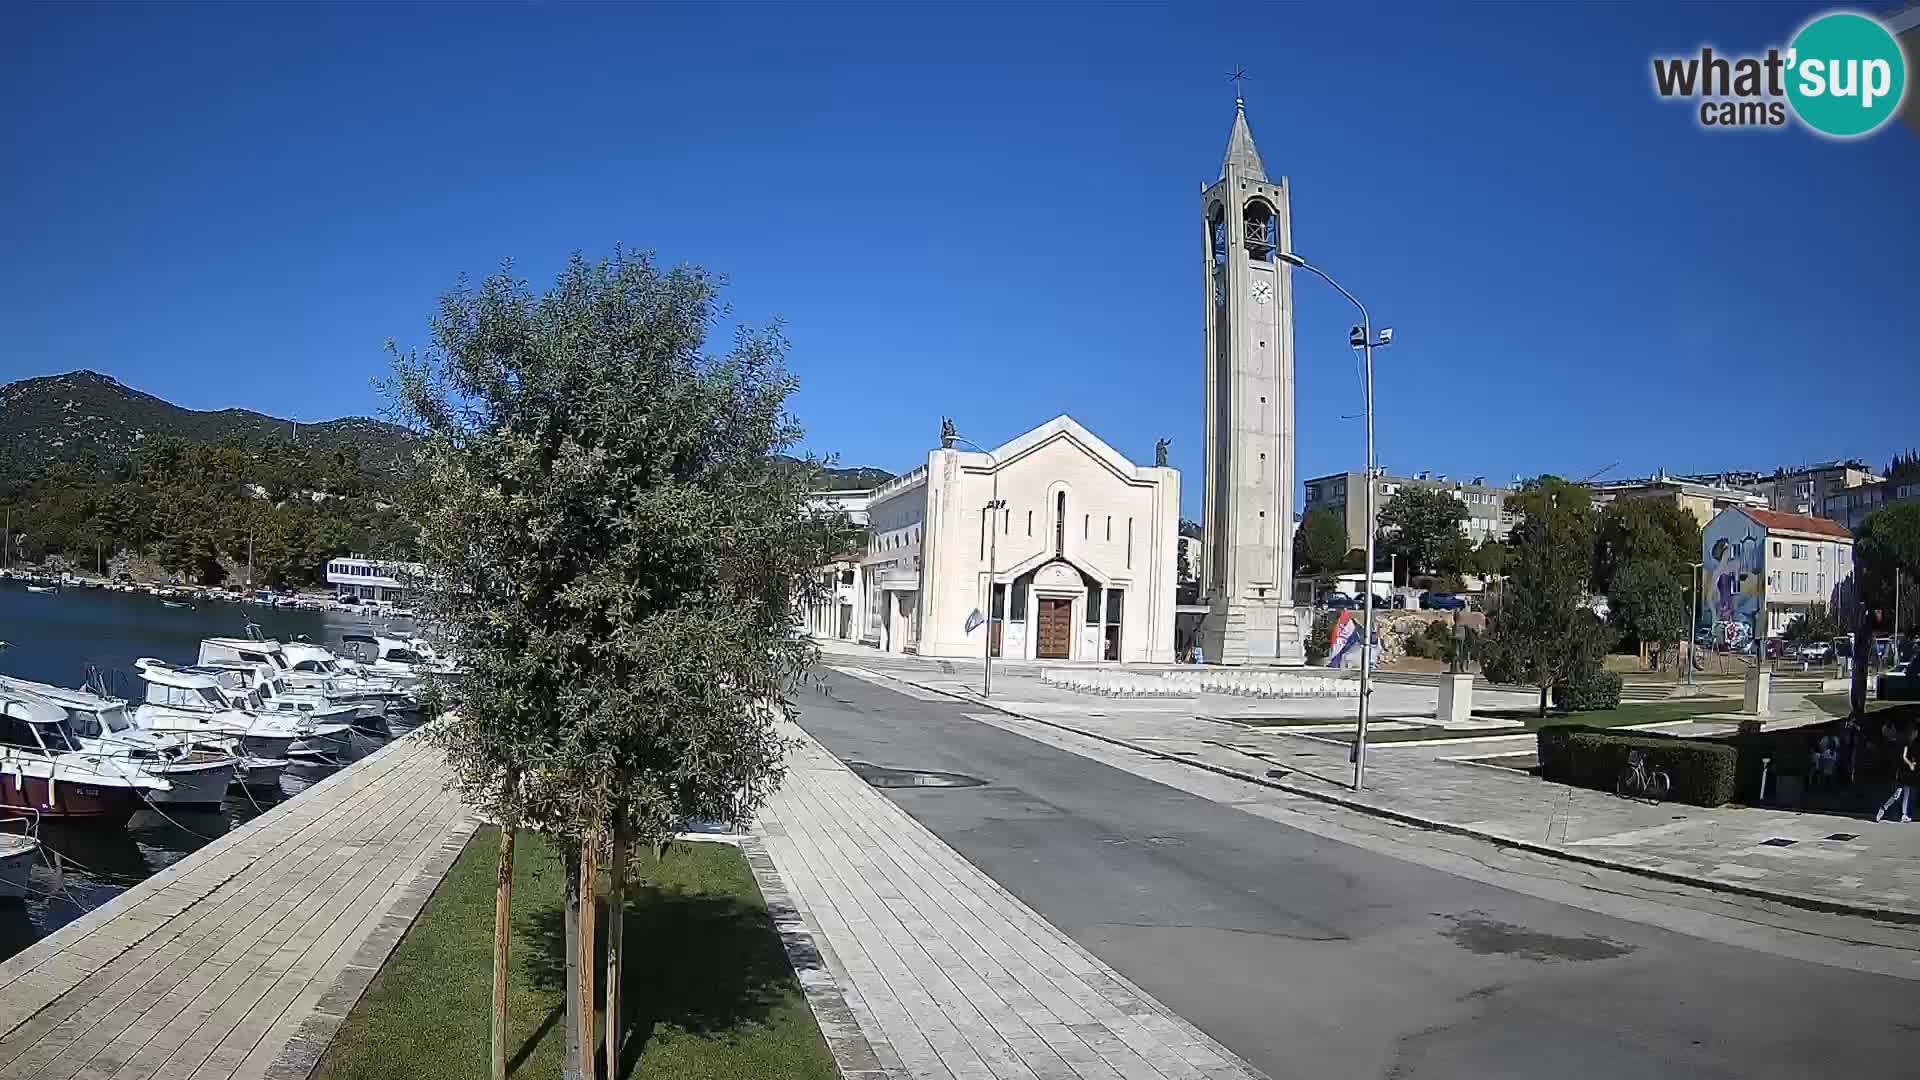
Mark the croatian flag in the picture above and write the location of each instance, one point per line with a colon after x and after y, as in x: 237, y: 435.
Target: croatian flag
x: 1344, y: 635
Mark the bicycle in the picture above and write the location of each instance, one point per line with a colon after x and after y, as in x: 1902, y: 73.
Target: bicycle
x: 1641, y: 781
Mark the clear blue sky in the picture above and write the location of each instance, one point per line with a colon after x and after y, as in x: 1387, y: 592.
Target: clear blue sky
x: 989, y: 212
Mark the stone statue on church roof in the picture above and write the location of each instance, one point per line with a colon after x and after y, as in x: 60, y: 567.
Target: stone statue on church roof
x: 947, y: 432
x: 1160, y: 452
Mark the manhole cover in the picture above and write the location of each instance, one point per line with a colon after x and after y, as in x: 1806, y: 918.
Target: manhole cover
x: 882, y: 777
x: 1843, y: 836
x: 1778, y: 841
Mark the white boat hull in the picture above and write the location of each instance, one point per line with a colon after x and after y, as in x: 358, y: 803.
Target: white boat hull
x: 197, y: 783
x: 260, y: 774
x: 16, y: 867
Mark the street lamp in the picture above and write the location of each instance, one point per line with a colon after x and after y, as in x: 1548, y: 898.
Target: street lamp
x: 1693, y: 617
x: 1361, y: 338
x: 994, y: 505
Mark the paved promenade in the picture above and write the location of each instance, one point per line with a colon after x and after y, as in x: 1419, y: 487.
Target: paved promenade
x: 240, y: 960
x: 946, y: 974
x: 1822, y: 860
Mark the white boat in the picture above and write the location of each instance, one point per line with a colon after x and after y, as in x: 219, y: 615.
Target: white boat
x: 19, y: 848
x: 280, y: 678
x: 180, y: 701
x: 43, y: 588
x: 98, y: 724
x: 42, y: 768
x: 406, y: 660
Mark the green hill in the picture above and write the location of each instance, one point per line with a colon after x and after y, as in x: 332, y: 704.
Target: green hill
x: 84, y: 416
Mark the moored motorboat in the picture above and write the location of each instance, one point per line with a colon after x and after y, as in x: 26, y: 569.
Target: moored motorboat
x: 42, y: 768
x: 99, y: 724
x: 182, y: 701
x: 19, y: 850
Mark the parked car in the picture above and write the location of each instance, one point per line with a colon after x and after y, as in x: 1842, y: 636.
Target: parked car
x: 1441, y: 601
x: 1901, y: 683
x: 1816, y: 652
x: 1339, y: 601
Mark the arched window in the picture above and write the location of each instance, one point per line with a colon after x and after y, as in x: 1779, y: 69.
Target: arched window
x: 1262, y: 231
x: 1060, y: 524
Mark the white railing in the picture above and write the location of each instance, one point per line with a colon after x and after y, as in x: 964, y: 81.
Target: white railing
x: 1185, y: 684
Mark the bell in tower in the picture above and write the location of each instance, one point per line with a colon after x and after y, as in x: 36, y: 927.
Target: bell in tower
x: 1247, y: 559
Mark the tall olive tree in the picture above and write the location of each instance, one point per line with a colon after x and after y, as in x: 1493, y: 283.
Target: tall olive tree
x: 617, y: 542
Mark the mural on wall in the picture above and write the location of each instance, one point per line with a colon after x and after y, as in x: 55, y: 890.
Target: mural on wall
x: 1736, y: 581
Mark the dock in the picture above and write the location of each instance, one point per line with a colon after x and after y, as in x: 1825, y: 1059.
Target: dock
x: 240, y: 961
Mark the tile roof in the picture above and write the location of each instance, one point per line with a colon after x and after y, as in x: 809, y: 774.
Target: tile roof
x: 1804, y: 523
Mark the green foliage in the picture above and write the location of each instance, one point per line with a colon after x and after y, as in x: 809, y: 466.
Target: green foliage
x: 1422, y: 526
x: 1587, y: 691
x: 1649, y: 604
x: 1904, y: 466
x: 1702, y: 772
x: 612, y: 532
x: 1639, y: 532
x: 1435, y: 641
x: 1817, y: 625
x: 1320, y: 543
x: 1316, y: 643
x: 90, y: 420
x: 192, y: 505
x: 1489, y: 559
x: 1540, y: 631
x: 1190, y: 529
x: 1886, y: 544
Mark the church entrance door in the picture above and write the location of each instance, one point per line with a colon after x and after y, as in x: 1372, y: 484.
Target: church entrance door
x: 1055, y: 633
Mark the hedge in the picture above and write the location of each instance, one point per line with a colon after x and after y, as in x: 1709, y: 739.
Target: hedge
x: 1702, y: 772
x: 1590, y: 691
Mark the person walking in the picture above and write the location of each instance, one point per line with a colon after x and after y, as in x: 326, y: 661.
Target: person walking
x: 1903, y: 769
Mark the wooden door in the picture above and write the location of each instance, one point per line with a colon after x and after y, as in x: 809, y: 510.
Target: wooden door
x: 1055, y: 629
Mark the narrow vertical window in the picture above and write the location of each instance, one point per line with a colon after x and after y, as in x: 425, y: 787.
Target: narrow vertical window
x: 1129, y: 543
x: 983, y: 531
x: 1109, y: 528
x: 1029, y: 523
x: 1060, y: 524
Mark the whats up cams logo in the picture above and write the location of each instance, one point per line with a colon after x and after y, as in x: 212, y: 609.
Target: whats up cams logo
x: 1843, y: 76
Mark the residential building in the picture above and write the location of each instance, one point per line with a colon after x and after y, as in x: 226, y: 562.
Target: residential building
x: 1077, y: 561
x: 378, y: 580
x: 852, y: 502
x: 1852, y: 506
x: 1703, y: 497
x: 1346, y: 495
x: 1805, y: 489
x: 1764, y: 567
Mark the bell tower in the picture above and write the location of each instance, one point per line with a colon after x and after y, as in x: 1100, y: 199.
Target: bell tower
x: 1247, y: 561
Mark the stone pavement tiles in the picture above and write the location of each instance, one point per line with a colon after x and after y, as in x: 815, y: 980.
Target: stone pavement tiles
x: 947, y: 975
x: 1816, y: 860
x: 240, y: 960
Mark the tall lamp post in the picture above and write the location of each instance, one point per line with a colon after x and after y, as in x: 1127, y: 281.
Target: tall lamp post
x: 1693, y: 617
x: 1361, y: 338
x: 994, y: 506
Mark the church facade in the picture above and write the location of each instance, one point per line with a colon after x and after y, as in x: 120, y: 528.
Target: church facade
x: 1073, y: 545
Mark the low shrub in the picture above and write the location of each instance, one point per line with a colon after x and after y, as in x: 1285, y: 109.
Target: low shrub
x: 1585, y: 693
x: 1316, y: 643
x: 1703, y: 773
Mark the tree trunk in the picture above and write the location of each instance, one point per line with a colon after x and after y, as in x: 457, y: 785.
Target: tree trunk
x: 616, y: 946
x: 502, y: 933
x: 572, y: 1065
x: 589, y: 958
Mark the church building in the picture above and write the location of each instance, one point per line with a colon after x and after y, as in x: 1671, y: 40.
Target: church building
x: 1073, y: 545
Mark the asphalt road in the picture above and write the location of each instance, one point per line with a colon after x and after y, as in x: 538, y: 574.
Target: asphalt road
x: 1312, y: 958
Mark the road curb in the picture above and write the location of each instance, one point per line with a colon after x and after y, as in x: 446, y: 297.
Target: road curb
x: 1799, y: 900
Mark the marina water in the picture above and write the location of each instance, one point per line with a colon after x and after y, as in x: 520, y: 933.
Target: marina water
x: 54, y: 638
